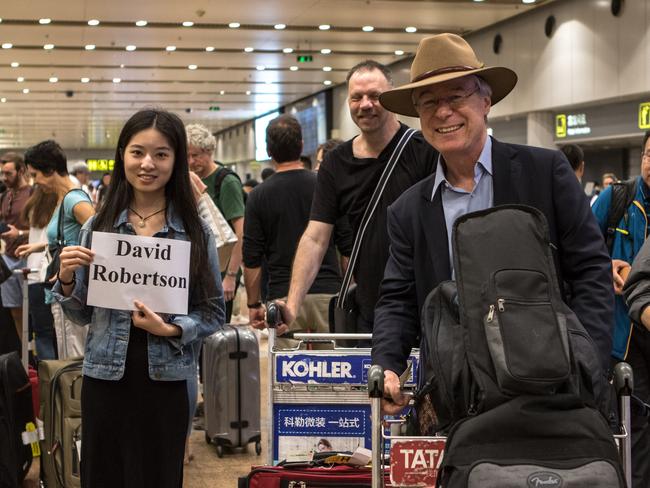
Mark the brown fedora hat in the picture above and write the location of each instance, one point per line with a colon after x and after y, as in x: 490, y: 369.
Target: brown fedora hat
x: 441, y: 58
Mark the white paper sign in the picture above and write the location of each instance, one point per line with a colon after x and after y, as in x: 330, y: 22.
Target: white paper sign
x: 150, y: 269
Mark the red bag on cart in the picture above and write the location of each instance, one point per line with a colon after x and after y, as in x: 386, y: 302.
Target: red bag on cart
x: 313, y: 477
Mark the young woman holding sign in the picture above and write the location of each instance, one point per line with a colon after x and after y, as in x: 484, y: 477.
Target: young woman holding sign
x: 137, y: 364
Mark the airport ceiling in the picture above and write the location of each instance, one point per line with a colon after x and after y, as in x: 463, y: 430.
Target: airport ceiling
x: 75, y: 70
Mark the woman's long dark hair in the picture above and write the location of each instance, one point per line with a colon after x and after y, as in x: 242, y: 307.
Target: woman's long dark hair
x: 178, y: 190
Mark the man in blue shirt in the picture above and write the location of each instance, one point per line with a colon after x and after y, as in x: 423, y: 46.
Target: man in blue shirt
x: 452, y: 92
x: 631, y: 341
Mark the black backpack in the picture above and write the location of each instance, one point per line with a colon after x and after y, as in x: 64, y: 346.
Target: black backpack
x: 623, y: 193
x: 502, y: 330
x: 15, y: 412
x: 501, y: 350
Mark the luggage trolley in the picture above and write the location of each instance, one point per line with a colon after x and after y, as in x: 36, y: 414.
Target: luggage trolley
x: 425, y: 452
x: 319, y: 398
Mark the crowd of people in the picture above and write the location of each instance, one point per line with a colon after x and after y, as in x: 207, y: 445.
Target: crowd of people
x: 376, y: 210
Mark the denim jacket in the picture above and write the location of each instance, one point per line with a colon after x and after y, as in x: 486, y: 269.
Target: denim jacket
x: 170, y: 358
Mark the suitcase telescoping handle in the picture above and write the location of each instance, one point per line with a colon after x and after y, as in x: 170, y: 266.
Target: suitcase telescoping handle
x: 24, y: 337
x: 624, y: 385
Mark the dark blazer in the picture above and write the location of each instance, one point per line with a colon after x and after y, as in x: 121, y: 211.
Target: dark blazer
x: 419, y: 257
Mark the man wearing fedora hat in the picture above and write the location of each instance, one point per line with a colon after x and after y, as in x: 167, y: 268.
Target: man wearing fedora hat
x: 451, y: 92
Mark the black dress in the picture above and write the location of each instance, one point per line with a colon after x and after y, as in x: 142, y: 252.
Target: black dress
x: 133, y: 429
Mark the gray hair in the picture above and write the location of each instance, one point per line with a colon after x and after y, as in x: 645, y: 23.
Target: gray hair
x: 199, y: 136
x: 484, y: 88
x: 79, y: 168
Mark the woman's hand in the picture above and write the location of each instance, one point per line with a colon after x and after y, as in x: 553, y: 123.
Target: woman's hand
x: 25, y: 250
x: 71, y: 258
x: 147, y: 319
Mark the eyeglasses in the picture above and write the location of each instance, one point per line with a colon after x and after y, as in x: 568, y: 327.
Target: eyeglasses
x: 454, y: 102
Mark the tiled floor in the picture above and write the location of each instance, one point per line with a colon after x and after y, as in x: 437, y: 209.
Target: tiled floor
x: 209, y: 471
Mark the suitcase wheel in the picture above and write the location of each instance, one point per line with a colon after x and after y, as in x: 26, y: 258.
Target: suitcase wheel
x: 219, y: 450
x: 258, y: 448
x: 208, y: 439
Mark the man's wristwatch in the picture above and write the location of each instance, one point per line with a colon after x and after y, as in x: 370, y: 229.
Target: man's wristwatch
x: 232, y: 274
x: 255, y: 305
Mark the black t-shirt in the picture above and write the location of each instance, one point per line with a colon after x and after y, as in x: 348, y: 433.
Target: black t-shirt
x: 345, y: 185
x: 277, y: 213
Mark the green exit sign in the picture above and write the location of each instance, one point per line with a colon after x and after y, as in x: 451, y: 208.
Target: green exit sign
x: 214, y: 108
x: 305, y: 59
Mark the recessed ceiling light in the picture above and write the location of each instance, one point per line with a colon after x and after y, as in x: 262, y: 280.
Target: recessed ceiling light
x: 287, y: 50
x: 89, y: 47
x: 0, y: 21
x: 130, y: 47
x: 260, y: 68
x: 15, y: 64
x: 528, y: 1
x: 53, y: 79
x: 293, y: 68
x: 367, y: 28
x: 192, y: 66
x: 48, y: 47
x: 324, y: 27
x: 327, y: 82
x: 25, y: 91
x: 93, y: 22
x: 411, y: 29
x: 20, y: 79
x: 3, y: 100
x: 222, y: 92
x: 141, y: 23
x: 327, y: 68
x: 44, y: 21
x: 399, y: 52
x: 280, y: 26
x: 85, y: 79
x: 121, y: 66
x: 268, y: 82
x: 478, y: 1
x: 248, y: 49
x: 209, y: 49
x: 325, y: 51
x: 7, y: 45
x: 188, y: 23
x: 117, y: 80
x: 248, y: 92
x: 170, y: 48
x: 234, y: 25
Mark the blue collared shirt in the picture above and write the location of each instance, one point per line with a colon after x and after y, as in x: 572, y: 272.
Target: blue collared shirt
x: 456, y: 201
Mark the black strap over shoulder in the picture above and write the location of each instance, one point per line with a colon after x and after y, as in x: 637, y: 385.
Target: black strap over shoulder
x: 370, y: 210
x: 222, y: 172
x: 623, y: 193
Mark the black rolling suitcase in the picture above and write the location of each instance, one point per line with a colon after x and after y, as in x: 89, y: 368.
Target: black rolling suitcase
x: 16, y: 412
x: 231, y: 388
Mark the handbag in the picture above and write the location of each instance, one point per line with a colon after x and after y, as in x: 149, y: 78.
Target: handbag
x: 55, y: 249
x: 344, y: 310
x: 224, y: 236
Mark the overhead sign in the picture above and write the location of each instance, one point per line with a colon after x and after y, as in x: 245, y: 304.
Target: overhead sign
x: 571, y: 125
x: 150, y: 269
x: 644, y: 115
x: 308, y: 58
x: 100, y: 164
x: 416, y: 462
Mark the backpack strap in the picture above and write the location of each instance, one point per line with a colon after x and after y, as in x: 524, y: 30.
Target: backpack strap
x: 222, y: 172
x: 623, y: 193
